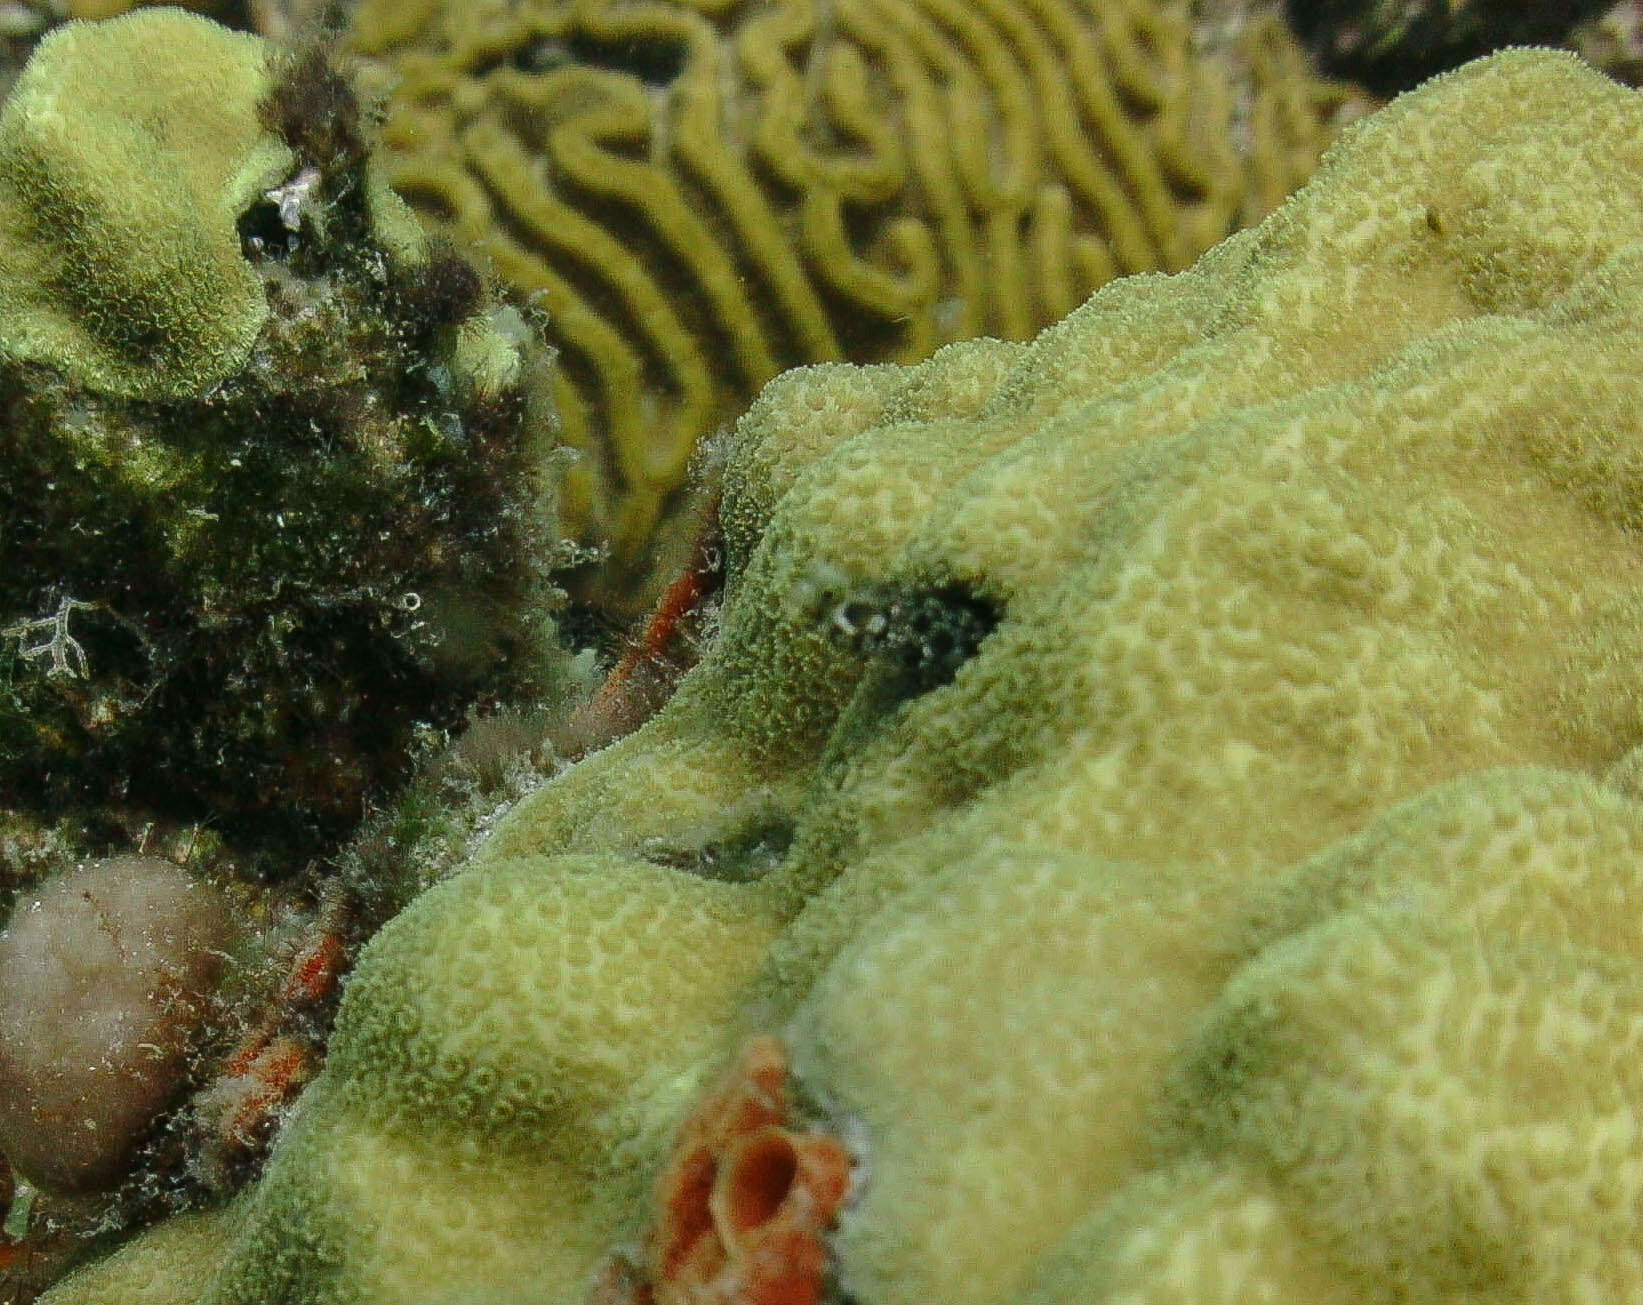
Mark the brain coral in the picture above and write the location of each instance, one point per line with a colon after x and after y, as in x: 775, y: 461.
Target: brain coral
x: 1171, y: 787
x: 700, y: 193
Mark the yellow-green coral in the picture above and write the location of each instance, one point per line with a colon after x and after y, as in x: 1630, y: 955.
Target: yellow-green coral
x: 514, y: 1072
x: 1424, y: 1075
x: 700, y: 193
x: 122, y: 263
x: 1173, y: 785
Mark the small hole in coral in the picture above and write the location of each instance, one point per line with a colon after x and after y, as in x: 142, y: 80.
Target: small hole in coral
x: 543, y: 55
x: 263, y: 233
x: 918, y: 637
x: 758, y: 1179
x: 685, y: 1217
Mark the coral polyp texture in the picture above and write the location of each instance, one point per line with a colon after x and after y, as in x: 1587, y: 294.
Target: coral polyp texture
x: 273, y: 472
x: 700, y: 193
x: 1167, y: 793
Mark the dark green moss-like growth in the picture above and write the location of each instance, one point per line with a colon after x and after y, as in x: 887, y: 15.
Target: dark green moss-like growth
x: 240, y: 607
x: 313, y: 109
x: 440, y: 292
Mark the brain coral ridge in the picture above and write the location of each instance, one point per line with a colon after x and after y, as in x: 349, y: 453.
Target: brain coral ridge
x: 1172, y: 788
x: 700, y: 193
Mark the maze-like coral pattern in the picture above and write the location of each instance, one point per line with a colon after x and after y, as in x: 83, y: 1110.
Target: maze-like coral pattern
x: 702, y: 192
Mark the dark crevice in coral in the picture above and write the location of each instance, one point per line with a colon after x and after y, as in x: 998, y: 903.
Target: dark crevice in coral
x: 263, y: 234
x: 1391, y: 47
x: 741, y: 855
x: 655, y: 61
x: 313, y: 108
x: 916, y: 639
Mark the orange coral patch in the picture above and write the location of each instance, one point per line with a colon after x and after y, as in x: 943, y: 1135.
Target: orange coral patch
x: 743, y: 1205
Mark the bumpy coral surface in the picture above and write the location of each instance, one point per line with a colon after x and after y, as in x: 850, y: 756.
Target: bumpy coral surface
x: 700, y: 193
x: 1170, y: 788
x: 122, y: 263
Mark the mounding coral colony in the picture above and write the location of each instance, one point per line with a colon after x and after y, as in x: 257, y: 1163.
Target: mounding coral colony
x: 1158, y: 818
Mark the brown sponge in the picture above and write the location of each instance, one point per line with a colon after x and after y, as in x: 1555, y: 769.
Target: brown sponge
x: 106, y: 973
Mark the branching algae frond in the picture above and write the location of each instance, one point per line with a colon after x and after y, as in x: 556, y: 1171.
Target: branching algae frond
x: 59, y: 650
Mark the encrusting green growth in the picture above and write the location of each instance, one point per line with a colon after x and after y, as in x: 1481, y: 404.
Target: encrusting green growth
x: 1171, y: 787
x: 274, y: 475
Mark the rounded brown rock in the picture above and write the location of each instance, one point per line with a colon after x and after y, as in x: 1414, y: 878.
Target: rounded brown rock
x: 108, y: 969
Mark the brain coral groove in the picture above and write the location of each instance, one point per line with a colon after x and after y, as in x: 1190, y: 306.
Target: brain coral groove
x: 699, y: 193
x: 1254, y: 915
